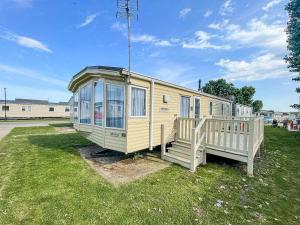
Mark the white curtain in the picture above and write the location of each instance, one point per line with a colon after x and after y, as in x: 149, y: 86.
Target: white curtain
x: 184, y: 107
x: 114, y: 106
x: 138, y: 102
x: 85, y: 104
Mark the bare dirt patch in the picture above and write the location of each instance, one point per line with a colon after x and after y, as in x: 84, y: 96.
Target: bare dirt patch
x: 65, y: 130
x: 118, y: 168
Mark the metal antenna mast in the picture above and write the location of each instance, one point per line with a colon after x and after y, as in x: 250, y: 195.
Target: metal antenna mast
x: 128, y: 9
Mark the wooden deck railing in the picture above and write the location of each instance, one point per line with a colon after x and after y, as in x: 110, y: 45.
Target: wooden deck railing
x: 239, y: 137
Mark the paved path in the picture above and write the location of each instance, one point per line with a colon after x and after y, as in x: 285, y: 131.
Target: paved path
x: 6, y: 127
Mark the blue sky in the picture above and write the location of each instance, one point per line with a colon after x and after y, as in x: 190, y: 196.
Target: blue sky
x: 44, y: 43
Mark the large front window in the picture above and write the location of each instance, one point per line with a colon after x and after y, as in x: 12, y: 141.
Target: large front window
x: 138, y: 102
x: 98, y: 104
x: 85, y: 104
x: 185, y: 107
x: 114, y: 106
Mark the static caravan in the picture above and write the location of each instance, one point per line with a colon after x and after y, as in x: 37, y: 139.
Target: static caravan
x: 32, y: 108
x: 127, y: 116
x: 132, y: 113
x: 240, y: 110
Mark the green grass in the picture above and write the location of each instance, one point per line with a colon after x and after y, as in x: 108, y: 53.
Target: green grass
x: 43, y: 180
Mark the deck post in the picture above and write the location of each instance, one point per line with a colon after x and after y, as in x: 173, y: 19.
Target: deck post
x: 193, y: 151
x: 163, y: 144
x: 250, y: 148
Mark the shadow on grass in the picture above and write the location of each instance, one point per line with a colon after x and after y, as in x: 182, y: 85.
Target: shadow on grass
x: 61, y: 125
x: 223, y: 161
x: 60, y: 142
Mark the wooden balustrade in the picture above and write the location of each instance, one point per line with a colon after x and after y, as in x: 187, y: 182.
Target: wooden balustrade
x: 236, y: 137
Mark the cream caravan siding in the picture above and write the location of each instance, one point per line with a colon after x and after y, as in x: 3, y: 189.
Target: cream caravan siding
x: 34, y: 111
x: 166, y: 113
x: 138, y: 127
x: 115, y: 139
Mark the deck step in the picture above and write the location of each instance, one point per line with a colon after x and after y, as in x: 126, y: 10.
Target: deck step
x: 182, y: 145
x: 179, y: 152
x: 184, y: 142
x: 178, y: 160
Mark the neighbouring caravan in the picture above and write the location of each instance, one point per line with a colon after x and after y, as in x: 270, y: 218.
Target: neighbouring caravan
x: 240, y: 110
x: 127, y: 117
x: 32, y: 108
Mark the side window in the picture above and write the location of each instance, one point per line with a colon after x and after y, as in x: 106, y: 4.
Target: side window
x: 138, y: 101
x: 85, y: 104
x: 5, y: 108
x: 210, y: 108
x: 51, y: 109
x: 75, y: 107
x: 23, y: 108
x: 114, y: 106
x: 185, y: 107
x: 98, y: 103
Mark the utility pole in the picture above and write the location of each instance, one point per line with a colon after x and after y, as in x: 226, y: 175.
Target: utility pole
x: 5, y: 103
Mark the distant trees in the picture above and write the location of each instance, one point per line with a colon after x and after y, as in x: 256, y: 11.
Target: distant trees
x: 293, y: 40
x: 257, y: 105
x: 223, y: 89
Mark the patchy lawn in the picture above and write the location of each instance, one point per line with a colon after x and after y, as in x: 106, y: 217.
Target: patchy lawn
x: 43, y: 180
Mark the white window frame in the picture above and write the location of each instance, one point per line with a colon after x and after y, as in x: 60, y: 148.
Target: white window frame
x: 129, y: 99
x: 197, y: 97
x: 79, y: 104
x: 124, y: 114
x: 103, y: 103
x: 189, y: 108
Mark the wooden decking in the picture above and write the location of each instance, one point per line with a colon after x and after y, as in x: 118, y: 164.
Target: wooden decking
x: 237, y: 138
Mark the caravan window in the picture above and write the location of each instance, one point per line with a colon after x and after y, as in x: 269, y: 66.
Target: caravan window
x: 114, y: 106
x: 98, y: 104
x: 222, y: 109
x: 138, y: 101
x: 185, y: 107
x: 210, y: 108
x: 75, y: 107
x: 85, y: 104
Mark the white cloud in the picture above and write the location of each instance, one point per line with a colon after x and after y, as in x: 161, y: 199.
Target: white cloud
x: 218, y: 26
x: 184, y: 12
x: 25, y: 72
x: 267, y: 66
x: 88, y: 20
x: 150, y: 39
x: 25, y: 41
x: 202, y: 42
x: 207, y: 13
x: 226, y: 8
x: 271, y: 4
x: 259, y: 34
x: 119, y: 26
x: 143, y: 38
